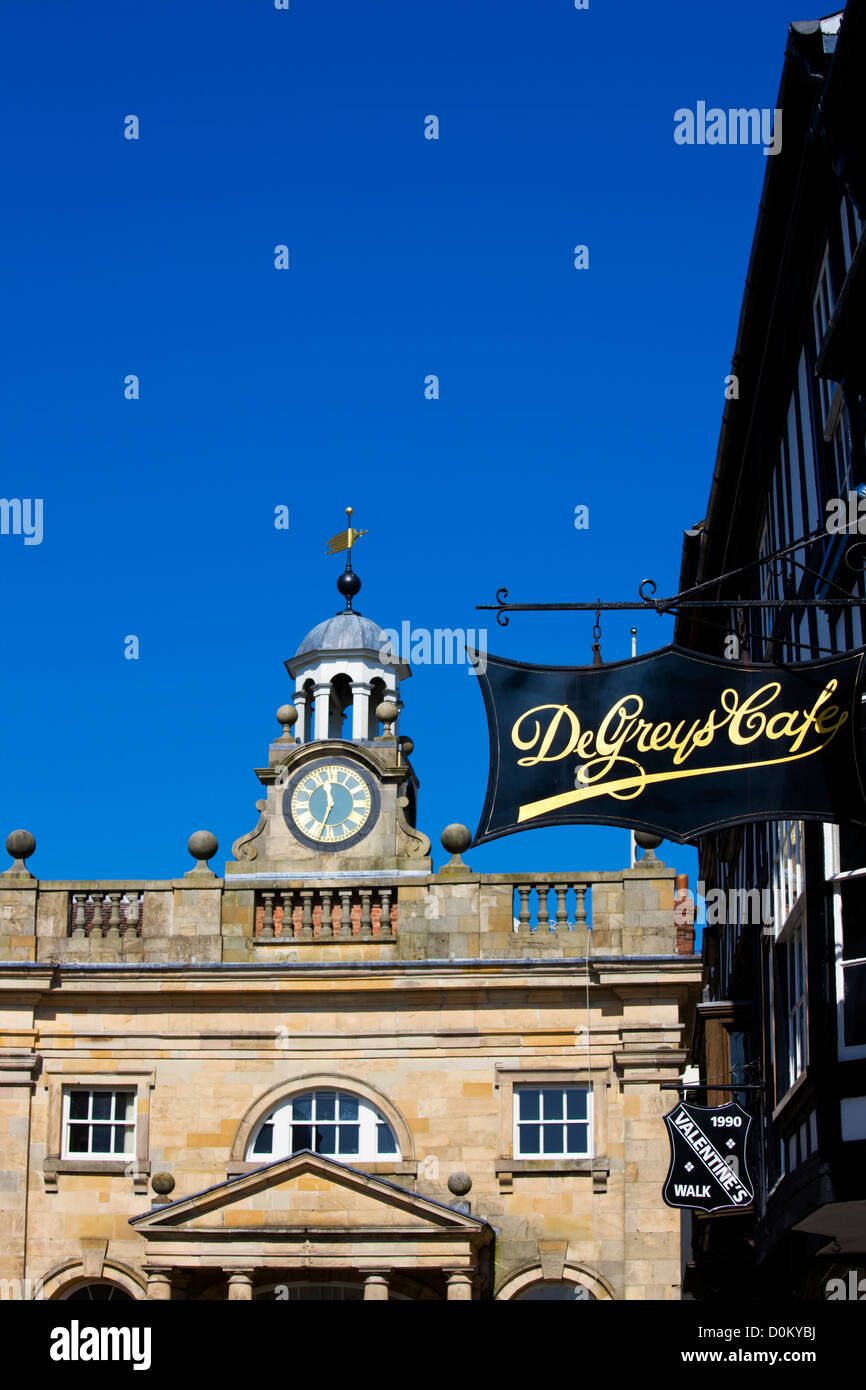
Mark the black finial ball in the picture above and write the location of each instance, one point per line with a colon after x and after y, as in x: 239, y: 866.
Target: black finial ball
x: 349, y: 584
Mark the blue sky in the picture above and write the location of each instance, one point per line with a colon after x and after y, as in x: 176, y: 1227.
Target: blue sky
x: 305, y: 387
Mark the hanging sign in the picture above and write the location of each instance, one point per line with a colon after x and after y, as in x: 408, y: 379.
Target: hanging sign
x: 671, y: 743
x: 708, y: 1158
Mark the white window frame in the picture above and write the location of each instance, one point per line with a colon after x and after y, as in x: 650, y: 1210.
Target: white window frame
x: 768, y: 586
x: 838, y: 435
x: 282, y: 1118
x: 810, y: 502
x: 786, y: 855
x: 796, y: 999
x: 848, y: 248
x: 520, y: 1088
x: 127, y: 1153
x: 794, y: 472
x: 823, y: 304
x: 832, y: 861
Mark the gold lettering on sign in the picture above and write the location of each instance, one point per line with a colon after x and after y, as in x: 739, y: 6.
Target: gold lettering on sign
x: 544, y: 755
x: 744, y: 721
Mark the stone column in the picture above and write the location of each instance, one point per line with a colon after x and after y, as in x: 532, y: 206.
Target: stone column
x: 322, y: 698
x: 240, y: 1282
x: 360, y: 709
x: 300, y: 702
x: 651, y: 1230
x: 158, y: 1282
x: 459, y: 1285
x: 18, y: 1070
x: 375, y: 1286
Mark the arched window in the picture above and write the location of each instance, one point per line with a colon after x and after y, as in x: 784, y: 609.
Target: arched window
x: 336, y: 1123
x: 554, y: 1290
x: 309, y: 722
x: 340, y: 704
x: 377, y: 695
x: 96, y: 1291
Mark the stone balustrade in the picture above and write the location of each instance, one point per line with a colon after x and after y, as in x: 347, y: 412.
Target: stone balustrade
x: 566, y: 896
x: 105, y: 916
x: 322, y: 913
x: 454, y: 914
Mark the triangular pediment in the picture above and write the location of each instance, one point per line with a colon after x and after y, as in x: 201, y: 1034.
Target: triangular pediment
x: 307, y: 1192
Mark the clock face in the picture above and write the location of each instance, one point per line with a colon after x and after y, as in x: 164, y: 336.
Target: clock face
x: 331, y: 804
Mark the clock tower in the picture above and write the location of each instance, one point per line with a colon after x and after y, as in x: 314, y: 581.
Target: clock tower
x: 341, y: 791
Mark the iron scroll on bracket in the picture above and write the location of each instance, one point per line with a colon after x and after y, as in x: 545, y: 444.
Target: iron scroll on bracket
x: 855, y: 559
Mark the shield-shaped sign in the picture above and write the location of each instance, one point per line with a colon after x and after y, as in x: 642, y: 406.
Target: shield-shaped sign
x: 708, y: 1157
x: 672, y: 743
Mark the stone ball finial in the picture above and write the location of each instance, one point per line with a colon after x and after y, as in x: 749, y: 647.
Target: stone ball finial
x: 203, y: 845
x: 387, y: 711
x: 20, y: 844
x: 645, y: 840
x: 456, y: 838
x: 287, y: 715
x: 648, y: 842
x: 408, y: 746
x: 459, y: 1184
x: 163, y: 1183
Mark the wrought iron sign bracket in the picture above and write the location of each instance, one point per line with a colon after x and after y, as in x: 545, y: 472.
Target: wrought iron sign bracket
x: 855, y: 558
x: 662, y: 606
x: 682, y: 1086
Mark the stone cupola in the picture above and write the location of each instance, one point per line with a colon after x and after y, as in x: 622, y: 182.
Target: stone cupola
x: 341, y: 791
x: 345, y: 663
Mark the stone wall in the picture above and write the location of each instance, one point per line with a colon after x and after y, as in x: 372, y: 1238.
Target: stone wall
x: 452, y: 914
x: 441, y: 1046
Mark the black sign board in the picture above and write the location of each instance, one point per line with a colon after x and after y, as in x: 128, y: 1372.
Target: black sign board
x: 671, y: 743
x: 708, y: 1158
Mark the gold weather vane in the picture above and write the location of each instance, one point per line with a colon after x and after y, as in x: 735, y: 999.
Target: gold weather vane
x: 344, y: 540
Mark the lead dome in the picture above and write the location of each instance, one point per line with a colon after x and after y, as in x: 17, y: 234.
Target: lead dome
x: 347, y: 631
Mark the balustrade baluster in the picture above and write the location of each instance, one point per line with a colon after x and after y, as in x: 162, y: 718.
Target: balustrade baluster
x: 561, y: 907
x: 307, y: 918
x: 386, y: 926
x: 524, y: 916
x: 267, y: 932
x: 132, y: 916
x: 113, y: 933
x: 543, y: 914
x: 287, y: 926
x: 366, y: 914
x: 79, y: 901
x: 345, y: 926
x: 327, y: 928
x: 96, y: 919
x: 579, y: 905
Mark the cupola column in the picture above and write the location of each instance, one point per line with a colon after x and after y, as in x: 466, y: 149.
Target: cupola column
x: 361, y: 709
x: 300, y: 699
x: 322, y: 696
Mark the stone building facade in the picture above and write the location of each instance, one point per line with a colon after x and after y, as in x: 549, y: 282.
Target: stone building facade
x: 334, y: 1072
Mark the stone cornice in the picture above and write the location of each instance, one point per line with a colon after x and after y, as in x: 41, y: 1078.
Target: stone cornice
x: 29, y: 981
x: 19, y: 1068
